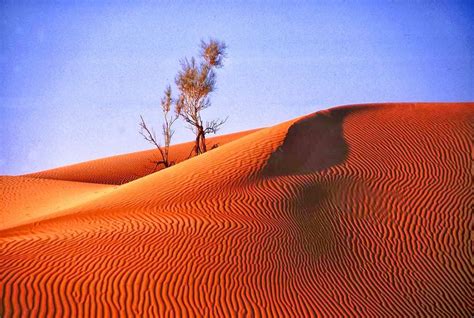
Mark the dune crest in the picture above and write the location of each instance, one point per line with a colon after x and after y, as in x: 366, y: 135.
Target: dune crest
x: 359, y: 210
x: 124, y: 168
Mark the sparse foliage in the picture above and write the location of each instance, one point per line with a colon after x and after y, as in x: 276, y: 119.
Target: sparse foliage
x: 195, y: 82
x: 167, y: 131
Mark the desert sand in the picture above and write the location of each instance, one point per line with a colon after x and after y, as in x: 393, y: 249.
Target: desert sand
x: 361, y: 210
x: 127, y: 167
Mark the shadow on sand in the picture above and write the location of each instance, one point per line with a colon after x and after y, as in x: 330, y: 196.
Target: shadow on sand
x: 312, y: 144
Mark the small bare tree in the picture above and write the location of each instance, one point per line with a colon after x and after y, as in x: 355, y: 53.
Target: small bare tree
x: 167, y: 130
x: 195, y: 82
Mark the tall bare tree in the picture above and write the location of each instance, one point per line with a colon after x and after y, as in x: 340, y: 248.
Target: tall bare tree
x: 195, y: 82
x: 167, y: 131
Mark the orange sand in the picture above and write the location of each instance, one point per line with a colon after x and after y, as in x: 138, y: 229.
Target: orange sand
x: 26, y: 200
x: 125, y: 168
x: 354, y: 211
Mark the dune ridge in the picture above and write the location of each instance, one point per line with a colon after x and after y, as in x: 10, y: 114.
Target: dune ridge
x: 359, y: 210
x: 124, y: 168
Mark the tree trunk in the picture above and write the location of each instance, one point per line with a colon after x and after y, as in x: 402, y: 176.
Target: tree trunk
x: 200, y: 146
x: 203, y: 143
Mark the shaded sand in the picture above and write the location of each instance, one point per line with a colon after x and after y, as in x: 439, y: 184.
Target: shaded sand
x: 124, y: 168
x: 355, y: 211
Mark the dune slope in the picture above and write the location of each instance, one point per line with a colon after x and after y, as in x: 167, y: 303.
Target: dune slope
x: 124, y: 168
x: 354, y: 211
x: 26, y: 200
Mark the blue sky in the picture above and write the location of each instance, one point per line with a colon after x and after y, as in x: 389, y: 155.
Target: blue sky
x: 75, y: 76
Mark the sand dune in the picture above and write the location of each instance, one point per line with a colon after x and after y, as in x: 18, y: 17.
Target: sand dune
x: 124, y: 168
x: 25, y: 200
x: 354, y: 211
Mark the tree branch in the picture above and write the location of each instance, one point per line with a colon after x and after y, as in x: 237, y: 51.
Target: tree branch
x: 150, y: 136
x: 214, y: 125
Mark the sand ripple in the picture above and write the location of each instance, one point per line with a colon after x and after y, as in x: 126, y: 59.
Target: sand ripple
x: 355, y: 211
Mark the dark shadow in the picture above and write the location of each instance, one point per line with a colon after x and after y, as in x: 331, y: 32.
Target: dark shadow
x: 312, y: 144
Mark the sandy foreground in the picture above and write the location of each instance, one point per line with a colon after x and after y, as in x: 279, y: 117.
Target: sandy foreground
x: 361, y: 210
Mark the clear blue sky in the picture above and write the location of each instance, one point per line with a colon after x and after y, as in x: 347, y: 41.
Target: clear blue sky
x: 75, y: 76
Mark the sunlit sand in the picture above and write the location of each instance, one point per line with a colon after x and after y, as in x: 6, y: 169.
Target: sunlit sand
x: 360, y: 210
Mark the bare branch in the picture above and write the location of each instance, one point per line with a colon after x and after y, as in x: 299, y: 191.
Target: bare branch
x: 214, y: 125
x: 147, y: 133
x: 150, y: 136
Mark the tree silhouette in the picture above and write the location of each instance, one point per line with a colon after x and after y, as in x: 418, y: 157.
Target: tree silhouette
x: 195, y: 82
x: 167, y: 130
